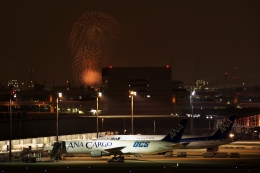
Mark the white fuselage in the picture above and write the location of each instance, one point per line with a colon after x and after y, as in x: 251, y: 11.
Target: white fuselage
x: 127, y: 147
x: 194, y: 142
x: 206, y: 144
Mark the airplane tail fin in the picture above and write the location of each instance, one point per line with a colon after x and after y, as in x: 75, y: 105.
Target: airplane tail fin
x: 176, y: 133
x: 225, y: 128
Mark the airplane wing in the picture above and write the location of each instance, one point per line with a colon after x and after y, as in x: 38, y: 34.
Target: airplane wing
x: 114, y: 150
x: 180, y: 145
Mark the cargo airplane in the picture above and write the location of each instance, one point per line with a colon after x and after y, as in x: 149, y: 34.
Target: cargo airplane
x: 99, y: 148
x: 211, y: 142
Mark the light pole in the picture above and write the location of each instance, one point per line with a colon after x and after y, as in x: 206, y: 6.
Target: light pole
x: 132, y: 94
x: 124, y: 125
x: 12, y: 95
x: 209, y: 117
x: 154, y: 126
x: 57, y: 116
x: 99, y: 94
x: 10, y: 141
x: 191, y: 117
x: 102, y: 123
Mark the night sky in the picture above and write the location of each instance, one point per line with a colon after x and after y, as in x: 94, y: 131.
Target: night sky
x: 223, y: 33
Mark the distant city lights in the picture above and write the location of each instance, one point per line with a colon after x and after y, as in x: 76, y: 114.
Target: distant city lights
x: 194, y: 115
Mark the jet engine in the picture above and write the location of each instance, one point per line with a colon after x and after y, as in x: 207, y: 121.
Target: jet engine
x: 98, y: 153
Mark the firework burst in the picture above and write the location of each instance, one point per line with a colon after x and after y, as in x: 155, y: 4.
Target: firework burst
x: 86, y: 58
x: 91, y: 78
x: 94, y: 29
x: 92, y: 40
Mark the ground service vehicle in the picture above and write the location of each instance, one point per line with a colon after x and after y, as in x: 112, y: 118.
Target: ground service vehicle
x: 119, y: 159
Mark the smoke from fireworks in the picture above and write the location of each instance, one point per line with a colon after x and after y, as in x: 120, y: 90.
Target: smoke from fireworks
x: 92, y: 39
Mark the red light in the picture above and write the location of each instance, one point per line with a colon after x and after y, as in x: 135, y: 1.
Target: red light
x: 110, y: 66
x: 167, y: 66
x: 12, y: 92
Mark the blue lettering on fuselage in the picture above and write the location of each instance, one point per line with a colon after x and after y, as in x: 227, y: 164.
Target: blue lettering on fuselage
x: 89, y: 145
x: 75, y: 144
x: 141, y: 144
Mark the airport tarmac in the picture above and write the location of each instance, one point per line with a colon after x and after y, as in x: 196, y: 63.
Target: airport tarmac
x: 194, y: 162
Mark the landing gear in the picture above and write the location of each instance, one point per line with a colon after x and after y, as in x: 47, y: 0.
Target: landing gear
x: 168, y: 154
x: 213, y: 149
x: 138, y: 155
x: 118, y: 159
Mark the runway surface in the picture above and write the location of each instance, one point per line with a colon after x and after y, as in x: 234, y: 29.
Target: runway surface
x: 248, y: 162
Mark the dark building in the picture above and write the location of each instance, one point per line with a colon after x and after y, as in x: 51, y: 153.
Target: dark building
x: 151, y: 84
